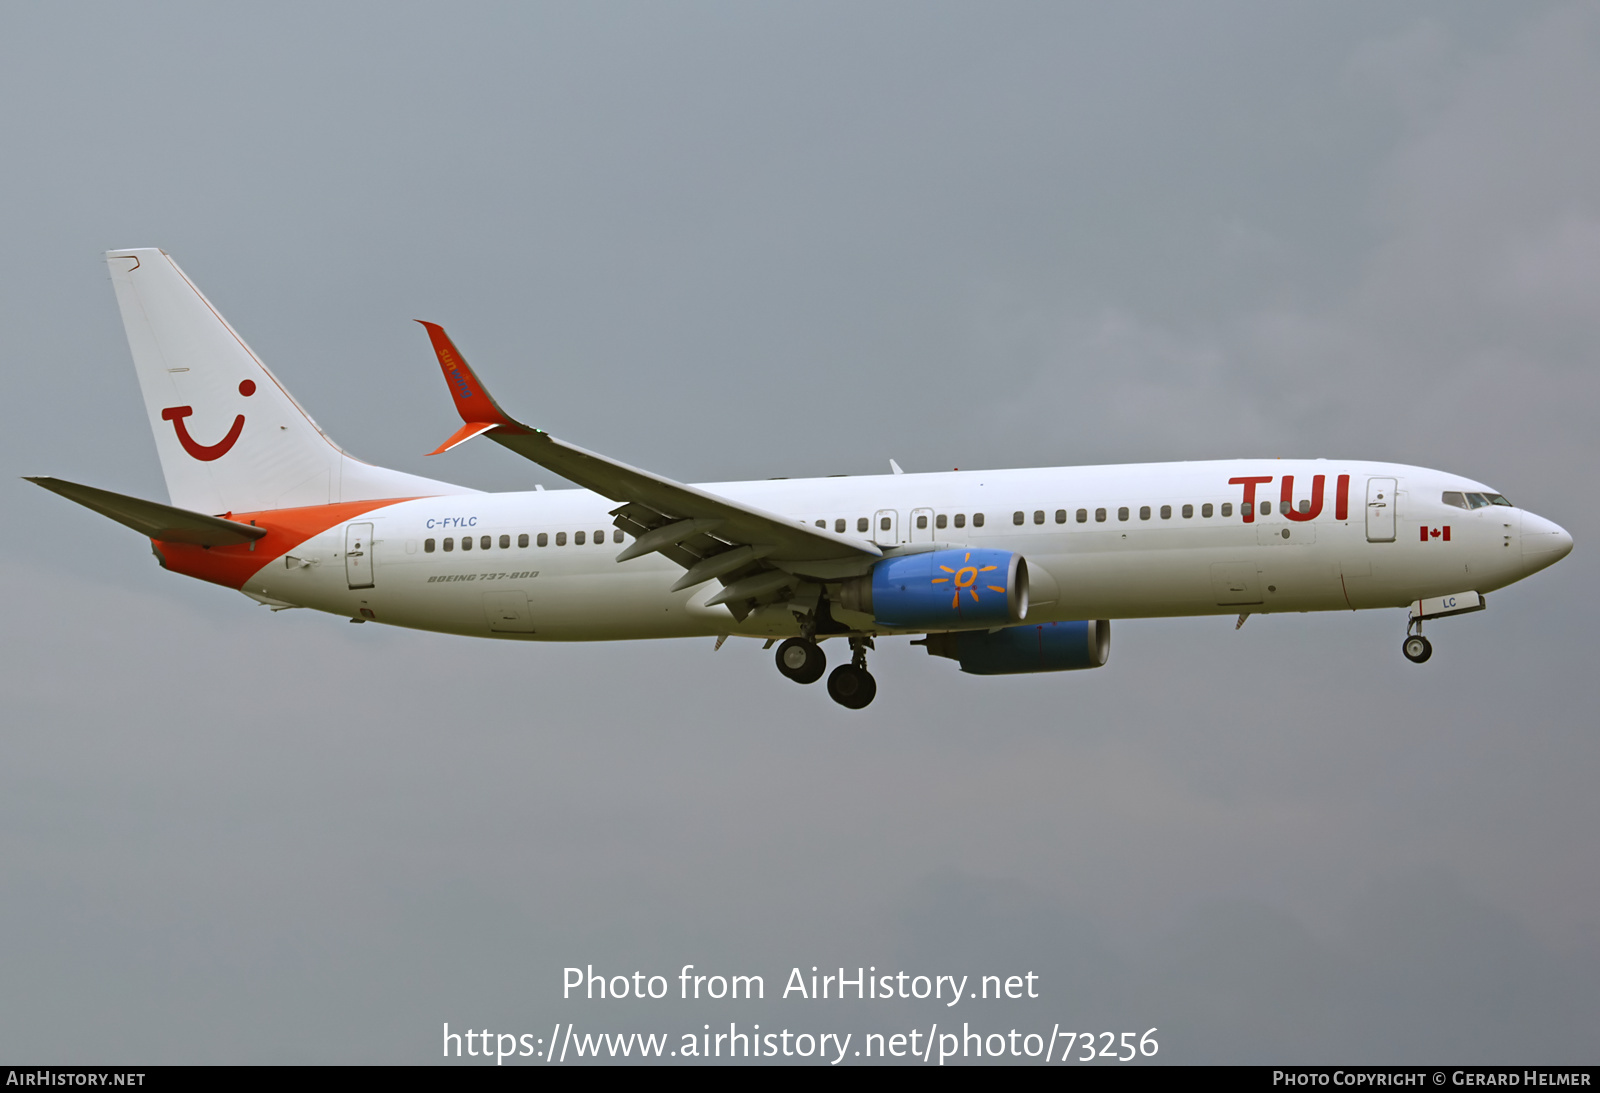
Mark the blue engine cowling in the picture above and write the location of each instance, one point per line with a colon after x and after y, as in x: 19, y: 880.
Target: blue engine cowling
x: 943, y: 590
x: 1047, y: 647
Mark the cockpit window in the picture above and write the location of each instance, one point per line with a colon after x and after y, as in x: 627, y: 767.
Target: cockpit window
x: 1477, y: 500
x: 1455, y: 498
x: 1498, y: 499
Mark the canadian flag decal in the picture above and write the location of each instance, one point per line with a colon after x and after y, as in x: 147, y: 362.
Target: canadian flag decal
x: 1441, y: 534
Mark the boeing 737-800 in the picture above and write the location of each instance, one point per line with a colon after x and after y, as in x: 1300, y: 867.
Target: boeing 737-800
x: 1002, y: 571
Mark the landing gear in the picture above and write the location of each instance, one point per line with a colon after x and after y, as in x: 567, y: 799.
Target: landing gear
x: 1417, y: 648
x: 802, y: 660
x: 851, y: 685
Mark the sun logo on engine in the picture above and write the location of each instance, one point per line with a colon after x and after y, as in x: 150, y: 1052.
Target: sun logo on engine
x: 966, y: 579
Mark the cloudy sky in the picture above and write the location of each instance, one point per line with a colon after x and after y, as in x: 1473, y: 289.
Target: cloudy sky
x: 736, y: 241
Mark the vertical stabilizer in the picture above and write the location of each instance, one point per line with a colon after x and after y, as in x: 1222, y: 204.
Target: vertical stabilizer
x: 230, y: 437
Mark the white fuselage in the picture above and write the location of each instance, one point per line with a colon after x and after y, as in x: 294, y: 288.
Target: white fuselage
x: 1145, y: 558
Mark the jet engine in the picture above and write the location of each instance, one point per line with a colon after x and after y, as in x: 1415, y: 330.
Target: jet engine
x: 943, y: 590
x: 1047, y: 647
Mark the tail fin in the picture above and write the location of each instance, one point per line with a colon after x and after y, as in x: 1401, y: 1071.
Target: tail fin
x: 230, y: 437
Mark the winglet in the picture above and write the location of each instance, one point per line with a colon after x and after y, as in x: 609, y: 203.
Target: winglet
x: 464, y: 434
x: 473, y: 402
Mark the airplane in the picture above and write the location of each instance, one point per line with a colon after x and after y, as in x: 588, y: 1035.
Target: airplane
x: 1002, y: 571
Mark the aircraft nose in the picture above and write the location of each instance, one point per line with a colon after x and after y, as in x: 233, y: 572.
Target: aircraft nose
x: 1544, y: 540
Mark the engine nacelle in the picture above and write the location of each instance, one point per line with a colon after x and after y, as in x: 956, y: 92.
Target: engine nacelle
x: 1047, y: 647
x: 942, y: 590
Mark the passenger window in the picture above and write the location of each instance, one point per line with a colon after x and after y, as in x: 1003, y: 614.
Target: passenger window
x: 922, y: 523
x: 1454, y: 498
x: 505, y: 542
x: 427, y: 546
x: 1099, y: 516
x: 1016, y: 517
x: 522, y: 540
x: 861, y: 523
x: 578, y: 538
x: 977, y: 519
x: 1038, y: 516
x: 940, y: 521
x: 466, y: 542
x: 883, y: 524
x: 616, y: 536
x: 1061, y: 516
x: 1266, y: 508
x: 1144, y: 512
x: 1188, y: 512
x: 543, y: 539
x: 838, y: 525
x: 823, y: 524
x: 1206, y: 510
x: 1083, y: 516
x: 600, y: 537
x: 1166, y: 512
x: 1122, y: 513
x: 961, y: 519
x: 561, y: 538
x: 449, y: 545
x: 1477, y: 500
x: 1244, y: 509
x: 1304, y: 506
x: 1227, y: 508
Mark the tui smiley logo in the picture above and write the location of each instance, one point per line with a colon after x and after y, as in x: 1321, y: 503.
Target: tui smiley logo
x: 207, y: 452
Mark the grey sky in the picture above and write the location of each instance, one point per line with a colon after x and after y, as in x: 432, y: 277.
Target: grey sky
x: 741, y: 241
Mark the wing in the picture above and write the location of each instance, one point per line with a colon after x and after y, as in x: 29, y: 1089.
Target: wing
x: 760, y: 557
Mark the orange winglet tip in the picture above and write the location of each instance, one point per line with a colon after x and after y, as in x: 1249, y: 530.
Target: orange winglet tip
x: 473, y: 402
x: 464, y: 434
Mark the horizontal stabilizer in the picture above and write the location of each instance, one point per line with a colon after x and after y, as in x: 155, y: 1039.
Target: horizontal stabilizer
x: 157, y: 521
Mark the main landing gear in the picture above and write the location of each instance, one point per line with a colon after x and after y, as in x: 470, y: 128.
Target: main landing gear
x: 850, y: 685
x: 801, y: 660
x: 1416, y: 648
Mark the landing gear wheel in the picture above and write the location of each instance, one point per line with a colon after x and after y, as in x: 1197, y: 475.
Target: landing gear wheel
x: 852, y: 687
x: 1417, y: 648
x: 801, y: 660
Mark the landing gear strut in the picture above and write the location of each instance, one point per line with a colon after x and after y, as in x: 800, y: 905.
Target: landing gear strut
x: 851, y: 685
x: 1416, y: 648
x: 802, y: 660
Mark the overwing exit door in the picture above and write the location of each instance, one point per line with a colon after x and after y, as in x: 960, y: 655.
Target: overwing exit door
x: 358, y: 555
x: 1380, y: 510
x: 886, y: 527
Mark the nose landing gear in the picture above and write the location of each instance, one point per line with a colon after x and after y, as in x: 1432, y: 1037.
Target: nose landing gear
x: 1416, y: 647
x: 851, y: 685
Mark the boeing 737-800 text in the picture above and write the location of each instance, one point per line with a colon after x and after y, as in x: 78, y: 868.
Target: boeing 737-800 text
x: 1003, y: 571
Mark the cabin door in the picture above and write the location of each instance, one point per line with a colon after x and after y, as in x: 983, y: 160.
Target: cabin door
x: 1380, y: 510
x: 358, y: 555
